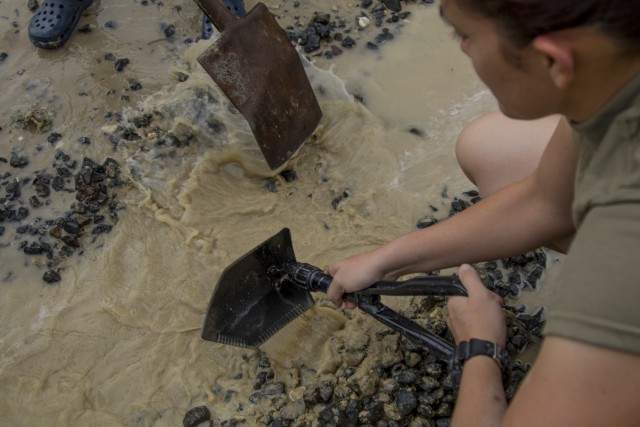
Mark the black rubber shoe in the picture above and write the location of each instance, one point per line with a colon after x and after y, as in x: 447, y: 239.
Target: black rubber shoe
x: 55, y: 21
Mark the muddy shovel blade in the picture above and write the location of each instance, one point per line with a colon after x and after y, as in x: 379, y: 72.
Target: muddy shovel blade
x: 247, y: 306
x: 255, y: 65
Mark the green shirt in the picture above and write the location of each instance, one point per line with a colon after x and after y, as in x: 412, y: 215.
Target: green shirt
x: 597, y: 296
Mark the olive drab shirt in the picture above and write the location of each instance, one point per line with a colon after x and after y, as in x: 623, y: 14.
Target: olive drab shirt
x: 597, y: 295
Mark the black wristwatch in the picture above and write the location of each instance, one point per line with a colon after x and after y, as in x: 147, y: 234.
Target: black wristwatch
x: 475, y: 347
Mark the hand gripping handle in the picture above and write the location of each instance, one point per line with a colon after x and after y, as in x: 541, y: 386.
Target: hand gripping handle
x: 315, y: 280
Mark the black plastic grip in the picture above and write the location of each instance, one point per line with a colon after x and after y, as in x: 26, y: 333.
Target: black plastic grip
x: 314, y: 279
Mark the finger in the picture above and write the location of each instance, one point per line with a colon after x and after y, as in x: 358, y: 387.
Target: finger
x: 334, y: 293
x: 349, y: 305
x: 470, y: 279
x: 472, y: 282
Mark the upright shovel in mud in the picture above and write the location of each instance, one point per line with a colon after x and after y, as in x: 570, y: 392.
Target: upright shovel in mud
x: 259, y: 70
x: 267, y: 288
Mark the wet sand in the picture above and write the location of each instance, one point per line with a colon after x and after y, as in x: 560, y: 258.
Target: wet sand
x: 116, y: 340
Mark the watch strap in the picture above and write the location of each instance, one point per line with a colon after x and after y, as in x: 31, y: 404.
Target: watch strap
x: 477, y: 347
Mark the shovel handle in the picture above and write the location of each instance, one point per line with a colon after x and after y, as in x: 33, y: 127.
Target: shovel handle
x: 315, y: 280
x: 220, y: 16
x: 420, y: 285
x: 312, y: 278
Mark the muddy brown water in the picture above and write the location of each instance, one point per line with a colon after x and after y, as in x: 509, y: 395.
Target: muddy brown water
x: 116, y: 341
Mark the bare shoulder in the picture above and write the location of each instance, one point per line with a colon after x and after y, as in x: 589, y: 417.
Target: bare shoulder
x: 578, y: 384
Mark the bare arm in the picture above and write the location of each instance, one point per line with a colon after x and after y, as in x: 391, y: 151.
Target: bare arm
x: 521, y: 217
x: 481, y: 399
x: 571, y: 384
x: 580, y: 385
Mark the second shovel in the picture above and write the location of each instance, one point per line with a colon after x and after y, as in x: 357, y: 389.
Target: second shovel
x: 259, y: 70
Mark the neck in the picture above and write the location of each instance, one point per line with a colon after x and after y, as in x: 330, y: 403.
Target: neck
x: 603, y: 71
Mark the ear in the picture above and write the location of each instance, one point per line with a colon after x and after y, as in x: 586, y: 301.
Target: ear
x: 559, y: 59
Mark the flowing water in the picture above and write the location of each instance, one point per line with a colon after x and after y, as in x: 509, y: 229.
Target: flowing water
x: 116, y: 341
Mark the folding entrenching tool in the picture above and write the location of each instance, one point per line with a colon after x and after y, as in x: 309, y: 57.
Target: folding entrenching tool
x: 259, y: 70
x: 267, y: 288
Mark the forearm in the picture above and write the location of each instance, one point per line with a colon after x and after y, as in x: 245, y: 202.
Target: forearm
x: 481, y: 401
x: 510, y: 222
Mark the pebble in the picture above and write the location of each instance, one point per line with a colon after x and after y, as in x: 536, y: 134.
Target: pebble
x: 363, y: 22
x: 51, y: 276
x: 195, y: 416
x: 406, y: 402
x: 109, y: 129
x: 17, y: 161
x: 121, y: 63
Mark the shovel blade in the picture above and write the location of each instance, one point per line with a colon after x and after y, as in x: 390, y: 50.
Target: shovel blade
x: 257, y: 68
x: 248, y: 306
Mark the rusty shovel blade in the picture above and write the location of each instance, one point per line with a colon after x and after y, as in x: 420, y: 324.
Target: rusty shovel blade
x: 258, y: 69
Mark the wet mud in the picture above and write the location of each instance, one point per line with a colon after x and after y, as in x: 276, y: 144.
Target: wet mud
x: 129, y: 182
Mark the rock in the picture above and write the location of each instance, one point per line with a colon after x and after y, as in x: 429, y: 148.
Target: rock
x: 134, y: 84
x: 169, y: 30
x: 372, y: 413
x: 312, y: 43
x: 58, y: 183
x: 367, y: 385
x: 407, y: 378
x: 261, y: 378
x: 17, y: 161
x: 102, y: 228
x: 319, y: 393
x: 21, y: 214
x: 71, y: 226
x: 195, y: 416
x: 293, y: 410
x: 444, y: 410
x: 393, y: 5
x: 51, y: 276
x: 332, y: 416
x: 121, y: 63
x: 289, y: 175
x: 348, y: 42
x: 109, y: 129
x: 33, y: 249
x: 363, y: 22
x: 273, y: 389
x: 406, y: 402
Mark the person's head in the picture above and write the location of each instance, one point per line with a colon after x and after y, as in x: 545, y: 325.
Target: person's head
x: 538, y: 56
x: 519, y: 22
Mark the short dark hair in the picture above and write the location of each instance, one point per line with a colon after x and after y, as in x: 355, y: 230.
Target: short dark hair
x: 521, y: 21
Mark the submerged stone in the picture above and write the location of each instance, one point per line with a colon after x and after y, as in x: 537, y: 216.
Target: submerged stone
x: 51, y: 276
x: 195, y: 416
